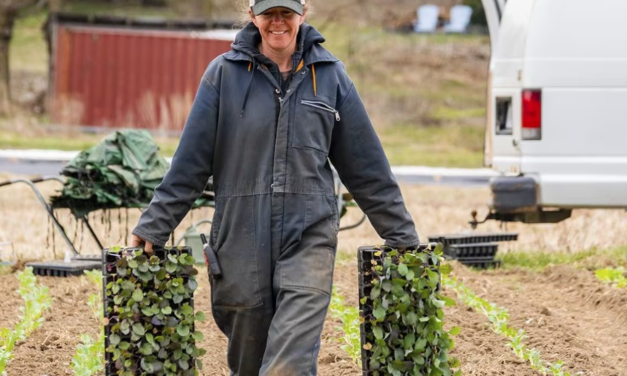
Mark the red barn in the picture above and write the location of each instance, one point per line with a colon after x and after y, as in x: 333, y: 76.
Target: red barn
x: 137, y: 73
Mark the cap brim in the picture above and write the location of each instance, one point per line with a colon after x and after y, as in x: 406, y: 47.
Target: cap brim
x: 268, y: 4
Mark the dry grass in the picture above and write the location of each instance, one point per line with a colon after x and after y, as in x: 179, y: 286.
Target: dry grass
x: 440, y: 210
x: 436, y: 210
x: 26, y: 225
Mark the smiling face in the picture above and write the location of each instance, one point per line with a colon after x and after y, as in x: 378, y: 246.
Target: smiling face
x: 279, y: 29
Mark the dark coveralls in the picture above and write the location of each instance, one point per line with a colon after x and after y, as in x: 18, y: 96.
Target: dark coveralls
x: 276, y: 221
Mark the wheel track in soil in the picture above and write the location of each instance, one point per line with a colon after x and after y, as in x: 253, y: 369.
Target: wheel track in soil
x: 566, y: 312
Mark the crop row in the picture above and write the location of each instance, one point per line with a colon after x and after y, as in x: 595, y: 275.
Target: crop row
x: 89, y: 357
x: 36, y: 301
x: 349, y: 317
x: 500, y: 322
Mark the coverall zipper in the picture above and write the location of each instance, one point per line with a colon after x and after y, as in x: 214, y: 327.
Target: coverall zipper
x: 279, y: 100
x: 322, y: 106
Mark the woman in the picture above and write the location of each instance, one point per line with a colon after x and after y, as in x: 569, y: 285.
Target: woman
x: 268, y: 117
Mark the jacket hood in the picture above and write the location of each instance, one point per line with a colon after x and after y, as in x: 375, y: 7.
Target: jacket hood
x: 308, y: 52
x: 248, y: 39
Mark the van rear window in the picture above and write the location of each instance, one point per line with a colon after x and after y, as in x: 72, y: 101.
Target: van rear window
x: 503, y: 120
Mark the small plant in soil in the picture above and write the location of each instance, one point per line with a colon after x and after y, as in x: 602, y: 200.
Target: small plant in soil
x: 500, y: 322
x: 88, y: 358
x: 615, y: 277
x: 349, y: 316
x: 36, y: 301
x: 404, y: 317
x: 150, y: 314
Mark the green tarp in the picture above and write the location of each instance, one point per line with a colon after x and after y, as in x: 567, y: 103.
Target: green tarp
x: 120, y: 172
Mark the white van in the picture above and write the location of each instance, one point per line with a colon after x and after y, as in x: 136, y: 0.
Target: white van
x: 557, y: 107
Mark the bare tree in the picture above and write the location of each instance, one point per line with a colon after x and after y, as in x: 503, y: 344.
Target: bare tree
x: 8, y: 13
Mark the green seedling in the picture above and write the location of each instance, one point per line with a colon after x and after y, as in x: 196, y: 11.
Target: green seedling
x: 349, y: 317
x: 88, y: 358
x: 614, y: 277
x: 150, y: 316
x: 36, y: 301
x: 500, y: 324
x: 407, y: 317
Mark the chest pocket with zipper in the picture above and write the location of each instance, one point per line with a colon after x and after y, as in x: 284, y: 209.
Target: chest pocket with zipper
x: 313, y: 125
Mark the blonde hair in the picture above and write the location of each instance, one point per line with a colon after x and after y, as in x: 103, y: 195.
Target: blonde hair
x: 243, y: 7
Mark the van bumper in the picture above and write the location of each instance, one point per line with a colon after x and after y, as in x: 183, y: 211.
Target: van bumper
x: 514, y: 194
x: 516, y: 199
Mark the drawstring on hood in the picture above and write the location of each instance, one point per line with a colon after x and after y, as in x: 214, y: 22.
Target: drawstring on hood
x: 251, y: 66
x: 313, y: 78
x: 249, y: 38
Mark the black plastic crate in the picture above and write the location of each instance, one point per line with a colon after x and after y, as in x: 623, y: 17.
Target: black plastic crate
x: 88, y: 258
x: 481, y: 263
x: 482, y: 250
x: 366, y: 259
x: 449, y: 239
x: 60, y: 268
x: 109, y: 274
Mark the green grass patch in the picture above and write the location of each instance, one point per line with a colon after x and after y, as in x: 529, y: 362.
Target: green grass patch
x: 28, y: 50
x: 76, y: 141
x: 343, y: 257
x: 449, y: 114
x: 448, y: 146
x: 342, y: 37
x: 6, y: 269
x: 589, y: 259
x: 404, y: 145
x: 127, y: 10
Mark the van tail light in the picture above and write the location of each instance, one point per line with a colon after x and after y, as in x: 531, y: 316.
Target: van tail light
x: 531, y: 115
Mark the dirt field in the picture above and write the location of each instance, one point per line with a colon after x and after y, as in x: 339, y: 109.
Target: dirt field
x: 567, y: 314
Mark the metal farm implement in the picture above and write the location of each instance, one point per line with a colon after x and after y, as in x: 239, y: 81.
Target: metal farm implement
x: 121, y: 173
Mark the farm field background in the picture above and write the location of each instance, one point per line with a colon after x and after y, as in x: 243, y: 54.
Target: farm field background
x: 426, y: 97
x: 547, y: 284
x: 424, y: 93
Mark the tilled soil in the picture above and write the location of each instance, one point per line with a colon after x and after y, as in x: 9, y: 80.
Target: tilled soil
x: 567, y: 314
x: 49, y: 350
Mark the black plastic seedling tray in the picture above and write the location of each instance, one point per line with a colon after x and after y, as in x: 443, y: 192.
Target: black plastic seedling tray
x: 473, y: 238
x: 479, y: 250
x: 365, y: 260
x: 476, y: 250
x: 97, y: 258
x: 109, y: 274
x: 481, y: 263
x: 60, y: 268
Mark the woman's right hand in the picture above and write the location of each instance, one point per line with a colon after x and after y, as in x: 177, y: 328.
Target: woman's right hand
x: 136, y: 241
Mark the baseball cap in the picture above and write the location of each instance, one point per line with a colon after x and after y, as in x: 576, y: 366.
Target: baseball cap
x: 260, y: 6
